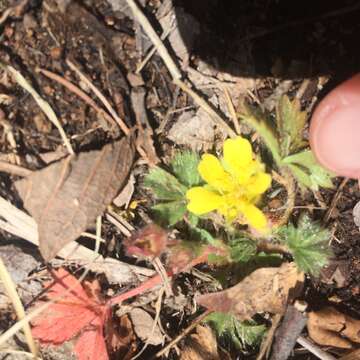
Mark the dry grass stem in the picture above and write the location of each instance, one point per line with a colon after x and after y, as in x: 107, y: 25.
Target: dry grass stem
x: 174, y: 70
x: 44, y: 105
x: 314, y: 349
x: 173, y: 342
x: 100, y: 96
x: 14, y: 169
x: 10, y: 289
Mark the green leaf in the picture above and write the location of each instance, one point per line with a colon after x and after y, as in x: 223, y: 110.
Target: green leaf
x: 164, y: 185
x: 170, y: 212
x: 193, y: 219
x: 290, y: 122
x: 308, y: 244
x: 242, y: 334
x: 204, y: 236
x: 308, y: 171
x: 185, y: 167
x: 242, y: 249
x: 258, y: 123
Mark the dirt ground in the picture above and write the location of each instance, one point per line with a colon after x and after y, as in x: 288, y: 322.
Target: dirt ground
x: 262, y: 48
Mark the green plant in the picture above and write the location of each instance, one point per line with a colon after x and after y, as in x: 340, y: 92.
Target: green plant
x: 286, y: 143
x: 242, y: 333
x: 308, y: 244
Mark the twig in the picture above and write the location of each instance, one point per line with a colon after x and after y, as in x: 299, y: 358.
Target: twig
x: 266, y: 344
x: 18, y: 306
x: 173, y: 69
x: 335, y: 200
x: 173, y: 342
x: 153, y: 36
x: 164, y: 35
x: 14, y: 169
x: 314, y: 349
x: 44, y: 105
x: 232, y: 111
x: 101, y: 97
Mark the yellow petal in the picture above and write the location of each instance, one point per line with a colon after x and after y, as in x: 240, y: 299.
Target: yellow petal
x: 258, y: 184
x: 237, y: 153
x: 211, y: 170
x: 202, y: 201
x: 254, y: 216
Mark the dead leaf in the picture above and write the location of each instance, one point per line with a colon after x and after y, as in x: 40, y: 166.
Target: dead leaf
x: 201, y: 346
x: 264, y: 290
x: 193, y: 130
x: 331, y: 328
x: 66, y: 197
x: 79, y: 312
x: 126, y: 193
x: 121, y: 337
x: 143, y: 324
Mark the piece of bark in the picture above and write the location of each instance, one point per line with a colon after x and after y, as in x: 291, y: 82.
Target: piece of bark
x: 66, y: 197
x: 287, y: 333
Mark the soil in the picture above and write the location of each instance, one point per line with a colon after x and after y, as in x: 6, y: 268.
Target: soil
x: 266, y: 40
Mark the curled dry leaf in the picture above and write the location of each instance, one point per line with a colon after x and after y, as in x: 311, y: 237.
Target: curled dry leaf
x: 264, y: 290
x: 66, y: 197
x: 201, y: 346
x: 332, y: 328
x: 143, y: 326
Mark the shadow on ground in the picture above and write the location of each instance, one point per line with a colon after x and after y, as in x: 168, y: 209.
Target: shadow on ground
x: 282, y: 38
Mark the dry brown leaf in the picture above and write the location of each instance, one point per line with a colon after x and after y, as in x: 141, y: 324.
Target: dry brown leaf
x: 264, y: 290
x: 332, y: 328
x: 201, y: 346
x: 66, y: 197
x: 143, y: 324
x: 121, y: 337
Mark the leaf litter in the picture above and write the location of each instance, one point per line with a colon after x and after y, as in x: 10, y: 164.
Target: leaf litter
x: 66, y: 197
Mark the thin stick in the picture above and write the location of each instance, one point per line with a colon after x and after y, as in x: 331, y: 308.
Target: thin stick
x: 14, y: 169
x: 101, y: 97
x: 44, y: 105
x: 173, y: 69
x: 173, y: 342
x: 74, y: 89
x: 164, y: 35
x: 153, y: 36
x: 18, y: 306
x: 232, y: 111
x: 314, y: 349
x: 335, y: 200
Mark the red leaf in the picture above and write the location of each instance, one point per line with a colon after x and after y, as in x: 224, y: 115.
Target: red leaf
x: 76, y: 312
x: 91, y: 344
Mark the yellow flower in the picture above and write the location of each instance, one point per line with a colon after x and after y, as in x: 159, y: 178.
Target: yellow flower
x: 233, y: 185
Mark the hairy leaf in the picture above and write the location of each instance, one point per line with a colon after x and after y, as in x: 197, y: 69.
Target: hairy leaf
x: 290, y: 125
x: 308, y: 171
x: 170, y: 212
x: 166, y: 187
x: 242, y: 249
x: 184, y: 166
x: 308, y: 244
x: 66, y: 197
x: 259, y: 124
x: 241, y: 333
